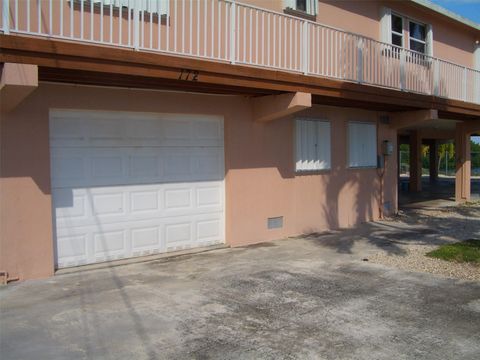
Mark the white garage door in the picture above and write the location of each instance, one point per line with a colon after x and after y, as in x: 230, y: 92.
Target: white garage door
x: 128, y: 184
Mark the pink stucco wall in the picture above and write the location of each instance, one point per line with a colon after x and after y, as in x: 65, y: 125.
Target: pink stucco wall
x: 259, y: 163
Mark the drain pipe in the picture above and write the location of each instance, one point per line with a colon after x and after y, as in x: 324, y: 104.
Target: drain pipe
x: 4, y: 279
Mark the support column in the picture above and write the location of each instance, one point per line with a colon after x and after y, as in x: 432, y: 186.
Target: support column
x: 415, y: 184
x: 433, y: 149
x: 462, y: 163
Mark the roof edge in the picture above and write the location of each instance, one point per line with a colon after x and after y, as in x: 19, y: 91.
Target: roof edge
x: 450, y: 14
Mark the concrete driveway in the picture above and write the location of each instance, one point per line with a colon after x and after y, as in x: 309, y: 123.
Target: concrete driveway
x: 296, y: 298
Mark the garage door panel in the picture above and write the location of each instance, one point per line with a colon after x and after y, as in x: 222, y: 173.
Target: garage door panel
x: 75, y: 167
x: 69, y: 206
x: 135, y: 184
x: 209, y: 197
x: 144, y: 201
x: 104, y: 129
x: 145, y: 238
x: 208, y: 230
x: 67, y: 169
x: 72, y: 248
x: 81, y: 207
x: 109, y: 243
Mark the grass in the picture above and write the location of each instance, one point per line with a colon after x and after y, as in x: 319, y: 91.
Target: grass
x: 465, y: 251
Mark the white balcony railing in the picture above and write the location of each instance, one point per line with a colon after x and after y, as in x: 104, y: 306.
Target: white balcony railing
x: 230, y: 31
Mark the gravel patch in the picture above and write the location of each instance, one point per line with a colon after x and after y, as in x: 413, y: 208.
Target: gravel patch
x: 451, y: 224
x: 415, y: 260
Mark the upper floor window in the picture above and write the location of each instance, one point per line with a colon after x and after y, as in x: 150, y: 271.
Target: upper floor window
x: 305, y: 6
x: 401, y: 31
x: 397, y: 30
x: 417, y: 37
x: 159, y: 7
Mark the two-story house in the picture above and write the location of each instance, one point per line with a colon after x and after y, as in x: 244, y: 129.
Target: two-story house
x: 132, y: 128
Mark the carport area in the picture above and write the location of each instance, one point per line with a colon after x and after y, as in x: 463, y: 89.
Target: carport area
x: 304, y: 298
x: 436, y: 162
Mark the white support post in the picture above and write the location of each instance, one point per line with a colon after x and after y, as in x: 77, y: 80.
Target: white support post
x: 305, y: 47
x: 360, y: 60
x: 436, y: 78
x: 6, y: 17
x: 136, y: 25
x: 233, y: 31
x: 464, y: 87
x: 403, y: 76
x: 476, y: 74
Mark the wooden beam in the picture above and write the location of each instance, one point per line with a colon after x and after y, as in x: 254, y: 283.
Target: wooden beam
x: 142, y: 82
x: 16, y: 83
x: 268, y: 108
x: 401, y: 120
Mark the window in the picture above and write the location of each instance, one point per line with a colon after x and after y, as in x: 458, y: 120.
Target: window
x: 312, y: 145
x: 306, y: 6
x: 397, y: 30
x: 159, y: 7
x: 418, y: 37
x: 362, y: 144
x: 393, y: 31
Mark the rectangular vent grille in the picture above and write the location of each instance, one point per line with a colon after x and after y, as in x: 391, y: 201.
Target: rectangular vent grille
x: 275, y: 222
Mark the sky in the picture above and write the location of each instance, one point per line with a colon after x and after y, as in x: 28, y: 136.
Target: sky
x: 467, y: 8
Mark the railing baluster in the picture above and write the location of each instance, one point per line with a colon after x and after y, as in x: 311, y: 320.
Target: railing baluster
x: 28, y: 15
x: 305, y: 47
x: 212, y: 29
x: 39, y: 16
x: 150, y: 18
x: 16, y: 13
x: 359, y: 60
x: 167, y: 29
x: 183, y: 26
x: 175, y: 24
x: 6, y: 17
x: 190, y: 26
x: 91, y: 20
x: 233, y: 31
x: 111, y: 23
x: 136, y: 25
x: 205, y: 35
x: 219, y: 33
x: 159, y: 31
x: 198, y: 27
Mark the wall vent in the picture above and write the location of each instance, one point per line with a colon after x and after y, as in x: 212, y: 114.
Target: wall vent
x: 275, y: 222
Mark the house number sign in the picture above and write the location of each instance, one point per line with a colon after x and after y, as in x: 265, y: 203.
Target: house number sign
x: 188, y: 75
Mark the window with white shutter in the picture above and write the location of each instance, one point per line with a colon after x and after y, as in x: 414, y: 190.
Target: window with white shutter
x: 312, y: 145
x: 362, y: 144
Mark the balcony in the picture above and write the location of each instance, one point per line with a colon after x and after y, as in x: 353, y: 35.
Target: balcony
x: 231, y: 32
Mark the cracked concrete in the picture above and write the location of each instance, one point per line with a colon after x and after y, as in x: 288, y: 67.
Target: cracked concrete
x: 305, y: 298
